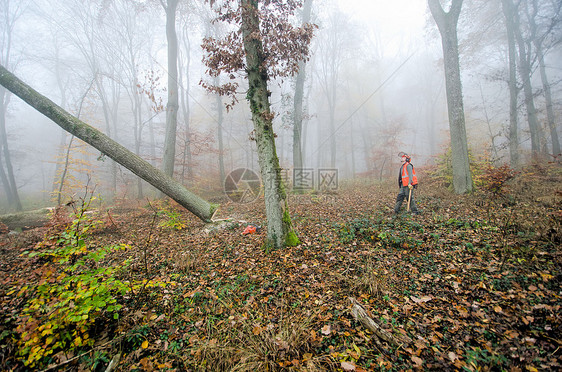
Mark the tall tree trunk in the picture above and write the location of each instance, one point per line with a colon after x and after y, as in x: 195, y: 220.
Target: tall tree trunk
x: 538, y: 42
x: 107, y: 146
x: 172, y: 106
x: 447, y: 24
x: 220, y: 122
x: 507, y: 7
x: 186, y: 110
x: 549, y: 111
x: 525, y: 72
x: 299, y: 98
x: 279, y: 229
x: 333, y: 146
x: 10, y: 185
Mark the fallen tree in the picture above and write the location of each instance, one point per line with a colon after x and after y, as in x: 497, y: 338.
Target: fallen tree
x: 175, y: 190
x: 25, y: 220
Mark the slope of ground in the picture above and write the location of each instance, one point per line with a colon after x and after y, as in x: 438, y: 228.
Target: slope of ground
x: 473, y: 283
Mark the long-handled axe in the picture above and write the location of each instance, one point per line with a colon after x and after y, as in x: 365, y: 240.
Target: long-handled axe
x: 409, y: 198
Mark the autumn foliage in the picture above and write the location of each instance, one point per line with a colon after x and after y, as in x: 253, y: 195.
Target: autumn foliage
x: 284, y: 44
x: 494, y: 180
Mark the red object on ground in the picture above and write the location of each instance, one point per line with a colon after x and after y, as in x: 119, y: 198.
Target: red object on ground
x: 249, y: 230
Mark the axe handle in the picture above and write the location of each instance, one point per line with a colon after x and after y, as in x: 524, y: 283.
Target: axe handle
x: 409, y: 198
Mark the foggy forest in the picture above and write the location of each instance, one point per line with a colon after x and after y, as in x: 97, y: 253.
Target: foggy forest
x: 211, y: 185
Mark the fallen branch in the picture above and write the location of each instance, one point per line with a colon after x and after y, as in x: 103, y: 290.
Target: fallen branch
x: 361, y: 316
x: 114, y: 363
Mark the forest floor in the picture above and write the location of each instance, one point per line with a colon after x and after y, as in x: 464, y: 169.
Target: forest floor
x: 473, y: 283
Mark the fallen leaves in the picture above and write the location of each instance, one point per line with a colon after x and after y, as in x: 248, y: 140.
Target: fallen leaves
x: 465, y: 306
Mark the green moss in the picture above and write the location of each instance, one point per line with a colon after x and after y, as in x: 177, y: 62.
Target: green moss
x: 291, y: 238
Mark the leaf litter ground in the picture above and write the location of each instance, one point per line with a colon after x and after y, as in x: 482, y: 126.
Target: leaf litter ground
x: 474, y: 282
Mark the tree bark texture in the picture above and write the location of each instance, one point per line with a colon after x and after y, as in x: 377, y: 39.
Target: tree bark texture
x: 109, y: 147
x: 172, y: 106
x: 279, y: 231
x: 447, y: 24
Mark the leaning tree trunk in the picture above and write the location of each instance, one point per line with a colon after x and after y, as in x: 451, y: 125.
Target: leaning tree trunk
x: 279, y: 230
x: 201, y: 208
x: 447, y: 24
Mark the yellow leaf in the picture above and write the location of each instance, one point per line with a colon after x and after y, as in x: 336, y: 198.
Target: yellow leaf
x: 357, y: 349
x: 144, y: 344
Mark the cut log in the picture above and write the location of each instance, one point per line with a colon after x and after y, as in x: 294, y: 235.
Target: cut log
x: 26, y: 220
x: 361, y: 316
x: 175, y: 190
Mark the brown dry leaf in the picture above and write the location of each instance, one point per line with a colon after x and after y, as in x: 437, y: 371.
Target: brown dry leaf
x: 452, y: 356
x: 420, y: 300
x: 346, y: 366
x: 326, y: 330
x: 417, y: 361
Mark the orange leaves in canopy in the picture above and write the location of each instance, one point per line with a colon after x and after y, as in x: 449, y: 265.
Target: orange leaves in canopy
x: 284, y: 44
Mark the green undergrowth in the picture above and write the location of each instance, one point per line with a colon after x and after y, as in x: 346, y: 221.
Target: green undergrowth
x: 80, y: 291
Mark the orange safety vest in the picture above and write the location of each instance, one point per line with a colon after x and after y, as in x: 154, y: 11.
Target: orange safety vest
x: 405, y: 178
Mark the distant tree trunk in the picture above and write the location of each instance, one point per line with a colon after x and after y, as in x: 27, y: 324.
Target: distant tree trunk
x: 525, y: 72
x: 279, y: 229
x: 507, y: 7
x: 107, y: 146
x: 549, y: 111
x: 186, y: 110
x: 332, y: 109
x: 538, y: 42
x: 172, y: 106
x: 10, y: 185
x: 10, y: 15
x: 447, y: 24
x: 220, y: 123
x: 299, y: 98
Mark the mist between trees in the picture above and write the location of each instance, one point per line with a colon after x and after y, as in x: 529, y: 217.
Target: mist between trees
x: 365, y: 93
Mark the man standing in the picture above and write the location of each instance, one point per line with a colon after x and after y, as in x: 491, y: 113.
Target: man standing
x: 407, y: 181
